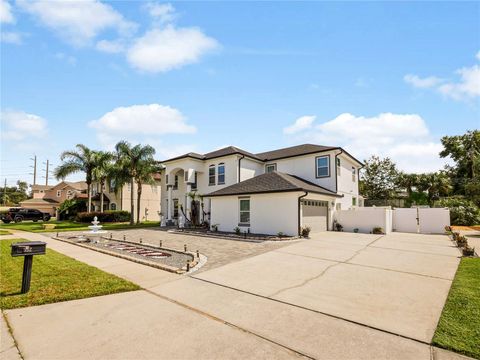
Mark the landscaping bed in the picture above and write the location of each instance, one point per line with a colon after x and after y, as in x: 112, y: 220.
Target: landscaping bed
x: 55, y: 277
x: 459, y: 325
x: 232, y: 236
x: 158, y: 257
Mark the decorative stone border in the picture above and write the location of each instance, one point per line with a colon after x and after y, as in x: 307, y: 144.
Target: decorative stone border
x: 168, y: 268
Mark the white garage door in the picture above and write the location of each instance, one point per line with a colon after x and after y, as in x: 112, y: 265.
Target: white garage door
x: 315, y: 215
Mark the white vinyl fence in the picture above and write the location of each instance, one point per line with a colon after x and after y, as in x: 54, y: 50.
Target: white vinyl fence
x: 365, y: 219
x: 412, y: 220
x: 421, y: 220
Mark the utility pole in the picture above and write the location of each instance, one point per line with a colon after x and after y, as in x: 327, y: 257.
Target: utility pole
x: 46, y: 175
x: 5, y: 192
x: 34, y: 169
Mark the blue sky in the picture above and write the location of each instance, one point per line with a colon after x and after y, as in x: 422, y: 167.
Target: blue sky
x: 377, y: 78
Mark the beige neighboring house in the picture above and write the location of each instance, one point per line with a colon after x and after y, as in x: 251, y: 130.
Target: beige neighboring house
x: 48, y: 198
x: 149, y: 205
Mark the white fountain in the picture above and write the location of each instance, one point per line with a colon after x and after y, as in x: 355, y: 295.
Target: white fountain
x: 95, y: 230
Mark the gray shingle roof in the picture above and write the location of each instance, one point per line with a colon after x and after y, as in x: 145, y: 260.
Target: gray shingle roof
x: 229, y: 150
x: 303, y: 149
x: 271, y: 183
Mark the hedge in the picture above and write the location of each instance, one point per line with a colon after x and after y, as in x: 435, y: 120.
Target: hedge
x: 105, y: 217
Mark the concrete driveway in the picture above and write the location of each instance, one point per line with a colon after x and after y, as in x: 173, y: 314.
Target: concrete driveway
x: 396, y: 283
x: 336, y: 296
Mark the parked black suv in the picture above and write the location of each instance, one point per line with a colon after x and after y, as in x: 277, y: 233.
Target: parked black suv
x: 21, y: 214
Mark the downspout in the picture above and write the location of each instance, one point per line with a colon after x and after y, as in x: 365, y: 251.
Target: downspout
x: 239, y: 167
x: 299, y: 209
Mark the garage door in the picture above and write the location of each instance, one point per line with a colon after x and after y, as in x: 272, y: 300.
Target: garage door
x: 315, y: 215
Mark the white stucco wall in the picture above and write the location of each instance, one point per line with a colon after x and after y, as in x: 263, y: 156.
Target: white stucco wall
x: 365, y: 219
x: 269, y: 213
x: 250, y: 168
x: 346, y: 186
x: 151, y: 196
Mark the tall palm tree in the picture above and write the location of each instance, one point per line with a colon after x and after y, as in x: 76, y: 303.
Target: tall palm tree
x: 145, y: 175
x: 102, y: 171
x: 80, y: 160
x: 132, y: 160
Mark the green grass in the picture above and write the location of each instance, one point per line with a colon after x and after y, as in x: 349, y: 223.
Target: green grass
x: 67, y: 225
x: 4, y: 232
x: 55, y: 277
x: 459, y: 325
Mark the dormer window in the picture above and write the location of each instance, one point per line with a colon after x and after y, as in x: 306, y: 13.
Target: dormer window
x: 211, y: 175
x: 221, y: 174
x: 270, y: 168
x: 322, y: 166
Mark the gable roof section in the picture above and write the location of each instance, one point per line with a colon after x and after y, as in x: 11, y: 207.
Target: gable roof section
x: 298, y: 150
x: 229, y: 150
x: 273, y: 182
x: 43, y: 201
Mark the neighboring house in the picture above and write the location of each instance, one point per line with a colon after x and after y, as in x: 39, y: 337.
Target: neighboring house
x: 48, y: 198
x: 120, y: 200
x: 276, y: 191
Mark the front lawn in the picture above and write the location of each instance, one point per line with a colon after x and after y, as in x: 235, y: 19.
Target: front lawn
x: 459, y: 325
x: 67, y: 225
x: 55, y: 277
x: 4, y: 232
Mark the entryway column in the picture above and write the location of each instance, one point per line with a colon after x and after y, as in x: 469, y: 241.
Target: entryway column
x: 188, y: 205
x: 169, y: 203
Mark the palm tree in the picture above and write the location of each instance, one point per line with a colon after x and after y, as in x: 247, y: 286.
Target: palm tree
x: 80, y: 160
x: 435, y: 185
x: 102, y: 171
x: 146, y: 169
x: 132, y: 161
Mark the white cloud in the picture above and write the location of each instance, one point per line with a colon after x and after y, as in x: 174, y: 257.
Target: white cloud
x: 160, y: 50
x: 163, y: 13
x: 11, y: 37
x: 403, y: 137
x: 19, y: 125
x: 108, y: 46
x: 6, y: 15
x: 467, y: 87
x: 418, y: 82
x: 143, y: 119
x: 78, y: 22
x: 302, y: 123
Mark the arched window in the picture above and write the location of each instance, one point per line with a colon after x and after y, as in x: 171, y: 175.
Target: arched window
x: 113, y: 206
x: 221, y: 174
x: 211, y: 175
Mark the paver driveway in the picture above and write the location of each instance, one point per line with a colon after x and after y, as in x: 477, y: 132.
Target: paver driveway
x: 396, y: 283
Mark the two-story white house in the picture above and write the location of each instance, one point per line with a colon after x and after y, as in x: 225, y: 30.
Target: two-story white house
x: 276, y: 191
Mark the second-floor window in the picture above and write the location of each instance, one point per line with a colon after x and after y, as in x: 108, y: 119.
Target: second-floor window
x: 221, y: 173
x: 323, y: 166
x: 175, y: 185
x: 270, y: 168
x: 211, y: 175
x: 354, y: 174
x: 194, y: 184
x: 59, y: 193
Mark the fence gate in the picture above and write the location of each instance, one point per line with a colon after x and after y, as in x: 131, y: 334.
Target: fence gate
x: 421, y: 220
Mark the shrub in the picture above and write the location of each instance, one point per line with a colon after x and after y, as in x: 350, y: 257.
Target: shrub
x: 377, y: 230
x: 338, y: 227
x: 468, y: 251
x: 280, y: 234
x: 462, y: 211
x: 107, y: 216
x: 237, y: 230
x: 305, y: 231
x: 462, y: 241
x: 215, y: 227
